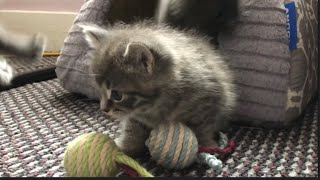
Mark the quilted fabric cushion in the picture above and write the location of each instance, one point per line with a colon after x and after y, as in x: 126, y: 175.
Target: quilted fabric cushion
x: 275, y: 84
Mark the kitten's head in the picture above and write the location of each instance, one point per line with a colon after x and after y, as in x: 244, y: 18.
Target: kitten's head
x: 128, y: 74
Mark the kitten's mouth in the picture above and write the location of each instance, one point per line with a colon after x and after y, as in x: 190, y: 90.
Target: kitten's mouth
x: 114, y: 113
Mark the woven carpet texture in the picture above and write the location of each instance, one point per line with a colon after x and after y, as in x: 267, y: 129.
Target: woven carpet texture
x: 22, y: 68
x: 38, y: 120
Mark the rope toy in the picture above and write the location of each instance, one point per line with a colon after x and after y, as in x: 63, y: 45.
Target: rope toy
x: 172, y: 146
x: 176, y: 147
x: 97, y: 155
x: 51, y: 53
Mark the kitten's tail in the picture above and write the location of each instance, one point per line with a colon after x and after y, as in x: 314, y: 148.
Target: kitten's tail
x: 30, y: 48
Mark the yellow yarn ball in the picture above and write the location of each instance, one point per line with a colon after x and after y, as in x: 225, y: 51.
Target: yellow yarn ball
x: 91, y: 155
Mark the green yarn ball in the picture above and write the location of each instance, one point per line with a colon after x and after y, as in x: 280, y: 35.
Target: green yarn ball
x: 173, y: 146
x: 91, y: 155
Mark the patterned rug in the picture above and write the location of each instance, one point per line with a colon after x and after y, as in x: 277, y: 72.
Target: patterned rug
x: 38, y: 120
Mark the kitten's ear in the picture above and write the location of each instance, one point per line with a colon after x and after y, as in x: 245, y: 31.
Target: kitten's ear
x: 94, y: 35
x: 140, y: 56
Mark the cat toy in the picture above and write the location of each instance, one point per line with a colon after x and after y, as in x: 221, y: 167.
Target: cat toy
x: 51, y: 53
x: 174, y: 147
x: 96, y: 154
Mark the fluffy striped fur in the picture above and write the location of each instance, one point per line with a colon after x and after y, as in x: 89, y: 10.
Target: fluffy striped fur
x: 156, y: 74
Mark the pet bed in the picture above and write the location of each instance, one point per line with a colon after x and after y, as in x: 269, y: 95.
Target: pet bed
x: 275, y: 82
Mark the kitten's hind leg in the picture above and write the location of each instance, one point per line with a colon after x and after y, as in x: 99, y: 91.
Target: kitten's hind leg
x: 205, y: 135
x: 31, y: 48
x: 132, y: 138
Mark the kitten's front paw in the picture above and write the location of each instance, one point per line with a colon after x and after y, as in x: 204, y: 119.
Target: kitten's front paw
x: 130, y: 149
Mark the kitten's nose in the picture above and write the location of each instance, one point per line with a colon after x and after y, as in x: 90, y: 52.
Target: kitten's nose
x: 106, y: 107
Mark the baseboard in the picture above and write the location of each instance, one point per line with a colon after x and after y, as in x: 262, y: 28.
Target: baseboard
x: 55, y: 25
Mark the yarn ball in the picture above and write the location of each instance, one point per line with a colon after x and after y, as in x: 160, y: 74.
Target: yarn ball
x: 91, y: 155
x: 173, y: 146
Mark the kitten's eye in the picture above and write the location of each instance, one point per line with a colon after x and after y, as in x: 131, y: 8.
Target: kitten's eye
x: 116, y: 95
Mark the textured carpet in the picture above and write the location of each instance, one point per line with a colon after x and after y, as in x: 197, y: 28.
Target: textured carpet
x: 38, y: 120
x: 27, y: 73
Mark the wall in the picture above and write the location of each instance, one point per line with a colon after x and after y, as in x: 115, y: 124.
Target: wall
x: 42, y: 5
x: 53, y: 18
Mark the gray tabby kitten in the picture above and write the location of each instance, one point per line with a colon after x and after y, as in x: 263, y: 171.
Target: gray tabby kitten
x: 155, y: 75
x: 29, y: 47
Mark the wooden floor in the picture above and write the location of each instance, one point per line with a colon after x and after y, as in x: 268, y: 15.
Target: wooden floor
x: 42, y: 5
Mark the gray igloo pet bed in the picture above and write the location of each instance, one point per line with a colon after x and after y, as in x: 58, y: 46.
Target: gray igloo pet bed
x: 276, y: 76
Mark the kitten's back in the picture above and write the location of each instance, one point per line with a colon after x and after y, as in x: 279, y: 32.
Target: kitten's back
x: 187, y: 48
